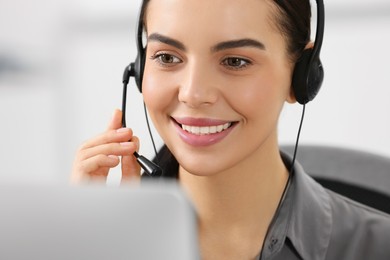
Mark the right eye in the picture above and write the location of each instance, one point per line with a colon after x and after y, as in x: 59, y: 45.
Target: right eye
x: 166, y: 59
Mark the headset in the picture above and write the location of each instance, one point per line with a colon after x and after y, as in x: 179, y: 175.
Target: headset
x: 308, y: 72
x: 307, y: 76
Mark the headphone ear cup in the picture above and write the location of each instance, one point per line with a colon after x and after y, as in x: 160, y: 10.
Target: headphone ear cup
x: 139, y: 66
x: 307, y: 77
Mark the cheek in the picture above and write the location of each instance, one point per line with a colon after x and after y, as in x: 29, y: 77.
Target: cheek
x: 160, y: 97
x: 260, y: 96
x: 150, y: 91
x: 158, y: 92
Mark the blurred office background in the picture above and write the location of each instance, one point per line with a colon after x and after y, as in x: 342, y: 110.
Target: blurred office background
x: 61, y: 63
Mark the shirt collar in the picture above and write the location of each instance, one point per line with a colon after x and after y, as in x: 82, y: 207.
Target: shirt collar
x: 305, y: 218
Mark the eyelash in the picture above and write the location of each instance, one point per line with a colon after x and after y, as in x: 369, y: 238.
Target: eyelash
x: 158, y: 59
x: 243, y: 63
x: 225, y: 62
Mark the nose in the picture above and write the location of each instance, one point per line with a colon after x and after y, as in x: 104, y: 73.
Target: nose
x: 199, y: 86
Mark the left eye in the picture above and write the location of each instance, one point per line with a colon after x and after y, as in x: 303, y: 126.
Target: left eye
x: 235, y: 62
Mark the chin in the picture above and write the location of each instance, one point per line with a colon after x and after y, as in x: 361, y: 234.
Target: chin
x: 204, y: 168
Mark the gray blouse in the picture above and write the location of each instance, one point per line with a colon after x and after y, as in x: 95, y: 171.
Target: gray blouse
x: 314, y: 223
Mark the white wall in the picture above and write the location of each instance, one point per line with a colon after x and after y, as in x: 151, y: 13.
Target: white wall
x: 65, y: 62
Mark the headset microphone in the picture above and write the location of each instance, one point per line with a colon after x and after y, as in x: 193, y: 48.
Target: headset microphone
x: 149, y: 167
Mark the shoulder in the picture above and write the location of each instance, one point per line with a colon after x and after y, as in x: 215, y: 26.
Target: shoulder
x: 358, y: 231
x: 327, y: 226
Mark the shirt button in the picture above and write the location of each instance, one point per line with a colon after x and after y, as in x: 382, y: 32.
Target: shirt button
x: 272, y: 243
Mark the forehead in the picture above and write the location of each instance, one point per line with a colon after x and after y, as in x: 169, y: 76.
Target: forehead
x: 213, y: 18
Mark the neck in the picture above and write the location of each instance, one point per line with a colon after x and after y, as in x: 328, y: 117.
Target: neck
x: 243, y: 198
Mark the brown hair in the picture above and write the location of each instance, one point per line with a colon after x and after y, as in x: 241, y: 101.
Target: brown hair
x: 293, y: 21
x: 292, y: 18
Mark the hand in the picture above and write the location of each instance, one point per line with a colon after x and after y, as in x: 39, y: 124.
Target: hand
x: 96, y: 156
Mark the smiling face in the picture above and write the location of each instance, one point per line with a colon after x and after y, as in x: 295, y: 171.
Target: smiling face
x: 216, y: 77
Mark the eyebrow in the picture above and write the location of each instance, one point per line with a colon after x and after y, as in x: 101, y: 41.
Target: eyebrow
x: 246, y: 42
x: 156, y: 37
x: 237, y: 44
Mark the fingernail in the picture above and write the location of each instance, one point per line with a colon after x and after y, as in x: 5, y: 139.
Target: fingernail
x: 126, y: 143
x: 113, y: 157
x: 122, y: 130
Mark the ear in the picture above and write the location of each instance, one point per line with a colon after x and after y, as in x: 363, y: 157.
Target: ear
x: 309, y: 45
x: 291, y: 97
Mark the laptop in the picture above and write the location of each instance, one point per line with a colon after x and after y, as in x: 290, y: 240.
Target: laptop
x: 150, y: 221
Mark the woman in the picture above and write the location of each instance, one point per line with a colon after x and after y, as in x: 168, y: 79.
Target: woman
x: 217, y: 74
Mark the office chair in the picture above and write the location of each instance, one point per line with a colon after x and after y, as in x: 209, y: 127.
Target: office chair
x: 361, y: 176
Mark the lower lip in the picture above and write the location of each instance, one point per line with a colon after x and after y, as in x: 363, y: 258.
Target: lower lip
x: 202, y: 140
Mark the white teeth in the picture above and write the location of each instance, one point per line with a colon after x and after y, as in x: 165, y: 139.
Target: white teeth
x: 205, y: 130
x: 194, y: 129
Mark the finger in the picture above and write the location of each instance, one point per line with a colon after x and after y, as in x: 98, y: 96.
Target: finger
x: 94, y: 163
x: 131, y: 170
x: 99, y: 175
x: 135, y: 140
x: 122, y: 148
x: 110, y: 136
x: 95, y: 166
x: 116, y: 120
x: 99, y: 161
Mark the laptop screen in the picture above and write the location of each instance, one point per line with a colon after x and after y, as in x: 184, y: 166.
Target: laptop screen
x: 152, y: 221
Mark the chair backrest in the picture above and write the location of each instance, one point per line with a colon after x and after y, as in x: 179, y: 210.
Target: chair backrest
x: 361, y: 176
